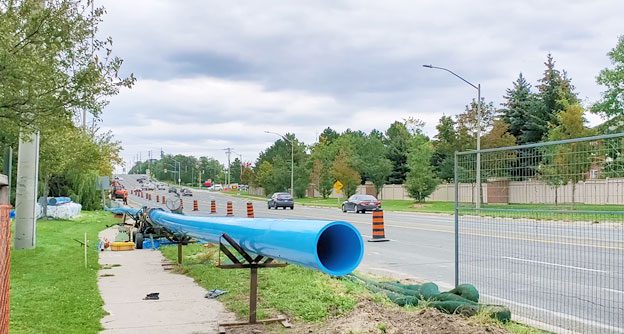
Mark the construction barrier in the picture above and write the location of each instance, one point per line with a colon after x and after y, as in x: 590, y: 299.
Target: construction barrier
x: 379, y: 233
x: 157, y: 198
x: 229, y: 209
x: 250, y: 211
x: 5, y: 267
x: 213, y: 206
x: 195, y: 205
x: 163, y: 200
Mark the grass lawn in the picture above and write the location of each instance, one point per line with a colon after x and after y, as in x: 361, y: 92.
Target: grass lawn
x: 51, y: 291
x: 302, y: 293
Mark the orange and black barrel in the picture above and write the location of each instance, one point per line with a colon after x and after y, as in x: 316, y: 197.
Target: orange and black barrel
x: 379, y: 233
x: 250, y: 213
x: 229, y: 209
x: 163, y: 200
x: 157, y: 198
x: 213, y: 206
x: 195, y: 205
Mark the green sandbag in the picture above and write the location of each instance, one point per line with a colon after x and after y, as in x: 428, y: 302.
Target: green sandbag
x: 467, y: 291
x: 426, y: 290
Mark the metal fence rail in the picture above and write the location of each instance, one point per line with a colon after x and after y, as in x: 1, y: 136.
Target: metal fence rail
x: 556, y: 260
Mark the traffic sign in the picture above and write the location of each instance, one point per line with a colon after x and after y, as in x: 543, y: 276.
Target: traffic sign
x: 338, y: 185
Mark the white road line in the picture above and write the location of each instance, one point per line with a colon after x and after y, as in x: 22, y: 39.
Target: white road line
x: 611, y: 290
x: 554, y: 264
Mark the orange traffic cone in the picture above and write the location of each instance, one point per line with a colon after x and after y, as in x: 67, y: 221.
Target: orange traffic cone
x: 213, y: 206
x: 379, y: 233
x: 229, y: 209
x: 195, y: 205
x: 250, y: 212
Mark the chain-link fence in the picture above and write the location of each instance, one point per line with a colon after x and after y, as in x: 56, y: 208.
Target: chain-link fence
x: 5, y: 267
x: 544, y: 234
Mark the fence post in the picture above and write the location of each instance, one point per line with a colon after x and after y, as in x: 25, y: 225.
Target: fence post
x: 456, y: 177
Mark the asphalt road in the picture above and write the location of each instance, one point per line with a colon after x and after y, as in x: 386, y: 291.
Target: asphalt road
x: 568, y: 275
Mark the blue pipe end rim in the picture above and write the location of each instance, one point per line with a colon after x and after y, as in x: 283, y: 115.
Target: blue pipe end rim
x: 339, y: 249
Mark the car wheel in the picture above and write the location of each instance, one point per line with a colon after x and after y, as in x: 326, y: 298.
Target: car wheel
x: 343, y: 208
x: 292, y: 207
x: 269, y: 206
x: 356, y: 209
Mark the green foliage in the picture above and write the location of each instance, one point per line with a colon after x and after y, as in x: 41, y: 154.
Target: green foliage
x: 397, y: 144
x: 469, y: 122
x: 568, y: 163
x: 421, y: 180
x: 321, y: 178
x: 518, y: 103
x: 51, y: 291
x: 343, y: 171
x: 446, y: 143
x: 555, y: 90
x: 278, y: 156
x: 373, y: 164
x: 50, y: 65
x: 612, y: 102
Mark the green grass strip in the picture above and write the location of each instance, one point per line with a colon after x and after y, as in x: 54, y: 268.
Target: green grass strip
x: 51, y: 290
x: 302, y: 293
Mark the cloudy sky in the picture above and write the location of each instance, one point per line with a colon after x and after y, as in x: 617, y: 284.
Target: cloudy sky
x: 217, y: 74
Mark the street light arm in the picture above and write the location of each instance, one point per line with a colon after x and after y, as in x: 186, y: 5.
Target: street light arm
x: 277, y: 134
x: 453, y: 73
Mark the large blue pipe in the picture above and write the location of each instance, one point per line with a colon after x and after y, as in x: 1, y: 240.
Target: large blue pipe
x: 333, y: 247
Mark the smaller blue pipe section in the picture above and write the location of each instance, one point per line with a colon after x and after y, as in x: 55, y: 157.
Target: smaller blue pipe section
x: 333, y: 247
x: 123, y: 209
x: 58, y: 200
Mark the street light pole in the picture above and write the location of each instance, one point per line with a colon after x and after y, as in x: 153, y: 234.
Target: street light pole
x: 478, y: 134
x: 292, y: 161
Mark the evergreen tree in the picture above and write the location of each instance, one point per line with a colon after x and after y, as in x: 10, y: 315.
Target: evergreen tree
x: 555, y: 89
x: 397, y: 144
x: 517, y: 105
x: 445, y: 145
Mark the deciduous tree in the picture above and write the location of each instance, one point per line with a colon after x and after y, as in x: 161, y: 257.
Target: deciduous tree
x: 611, y: 103
x: 421, y: 180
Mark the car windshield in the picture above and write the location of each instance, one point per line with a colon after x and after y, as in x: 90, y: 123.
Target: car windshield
x: 364, y: 198
x: 284, y: 196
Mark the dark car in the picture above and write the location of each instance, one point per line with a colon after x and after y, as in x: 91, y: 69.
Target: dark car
x: 281, y: 200
x: 172, y: 190
x: 186, y: 192
x: 361, y: 203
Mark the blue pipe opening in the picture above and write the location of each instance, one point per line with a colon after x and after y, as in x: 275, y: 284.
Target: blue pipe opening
x: 339, y: 249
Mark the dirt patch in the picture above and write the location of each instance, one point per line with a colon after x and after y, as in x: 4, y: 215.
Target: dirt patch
x: 370, y: 317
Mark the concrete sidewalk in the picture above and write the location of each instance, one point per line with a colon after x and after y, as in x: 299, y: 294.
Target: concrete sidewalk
x: 181, y: 308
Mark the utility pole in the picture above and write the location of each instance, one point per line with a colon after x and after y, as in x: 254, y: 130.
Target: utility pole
x: 26, y: 191
x: 228, y: 151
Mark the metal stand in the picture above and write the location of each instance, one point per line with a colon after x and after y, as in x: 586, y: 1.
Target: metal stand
x: 179, y: 253
x: 253, y: 264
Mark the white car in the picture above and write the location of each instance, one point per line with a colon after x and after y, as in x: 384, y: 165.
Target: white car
x: 216, y: 187
x: 148, y: 186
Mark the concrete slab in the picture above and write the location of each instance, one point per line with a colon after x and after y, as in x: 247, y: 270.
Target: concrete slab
x: 181, y: 308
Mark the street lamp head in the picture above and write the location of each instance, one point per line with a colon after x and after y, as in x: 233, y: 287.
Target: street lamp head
x: 428, y: 66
